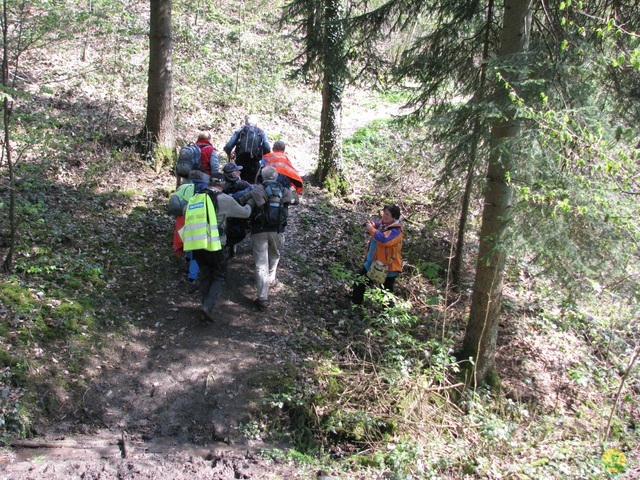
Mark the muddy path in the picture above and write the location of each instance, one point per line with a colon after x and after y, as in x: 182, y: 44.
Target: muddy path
x: 173, y: 397
x: 178, y: 390
x: 185, y: 378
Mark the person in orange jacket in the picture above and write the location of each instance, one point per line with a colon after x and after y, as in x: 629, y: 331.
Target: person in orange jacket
x: 385, y: 246
x: 280, y: 161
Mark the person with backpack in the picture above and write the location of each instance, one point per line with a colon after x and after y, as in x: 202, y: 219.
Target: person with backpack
x: 189, y: 159
x: 236, y: 228
x: 287, y: 173
x: 204, y: 233
x: 208, y: 154
x: 249, y: 144
x: 384, y: 253
x: 201, y: 156
x: 268, y: 222
x: 177, y: 203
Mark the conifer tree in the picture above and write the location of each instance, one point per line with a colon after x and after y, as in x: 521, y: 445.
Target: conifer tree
x: 448, y: 58
x: 573, y: 195
x: 480, y: 339
x: 324, y: 60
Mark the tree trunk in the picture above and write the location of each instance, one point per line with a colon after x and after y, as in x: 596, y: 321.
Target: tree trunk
x: 7, y: 263
x: 458, y: 256
x: 456, y: 263
x: 159, y: 125
x: 329, y: 172
x: 482, y: 330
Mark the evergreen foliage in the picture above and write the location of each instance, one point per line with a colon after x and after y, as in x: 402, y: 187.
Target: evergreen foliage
x: 322, y: 24
x: 578, y: 106
x: 576, y: 189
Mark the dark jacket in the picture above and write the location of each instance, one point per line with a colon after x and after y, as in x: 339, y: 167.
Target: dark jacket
x: 265, y: 146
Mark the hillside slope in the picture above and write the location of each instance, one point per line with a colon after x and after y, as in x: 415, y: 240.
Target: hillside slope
x: 108, y: 371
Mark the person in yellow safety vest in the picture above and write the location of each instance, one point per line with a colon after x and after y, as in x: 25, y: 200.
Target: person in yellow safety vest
x: 210, y: 252
x: 177, y: 202
x: 200, y: 230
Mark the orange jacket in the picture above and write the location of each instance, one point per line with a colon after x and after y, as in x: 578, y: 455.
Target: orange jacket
x: 177, y: 241
x: 388, y: 242
x: 280, y: 161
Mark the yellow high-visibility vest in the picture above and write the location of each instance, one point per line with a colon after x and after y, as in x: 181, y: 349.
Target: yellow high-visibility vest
x: 200, y: 231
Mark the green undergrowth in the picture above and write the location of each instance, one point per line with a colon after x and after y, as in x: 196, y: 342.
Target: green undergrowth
x: 370, y: 391
x: 79, y: 250
x: 385, y: 394
x: 380, y: 389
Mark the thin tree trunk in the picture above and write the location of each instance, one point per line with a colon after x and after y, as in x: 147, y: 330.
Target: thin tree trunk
x: 329, y: 172
x: 159, y: 125
x: 482, y: 330
x: 456, y: 264
x: 5, y: 52
x: 7, y: 263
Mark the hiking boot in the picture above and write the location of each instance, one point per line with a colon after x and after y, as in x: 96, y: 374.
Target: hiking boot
x: 274, y: 283
x: 261, y: 304
x: 208, y: 314
x: 232, y: 251
x: 192, y: 285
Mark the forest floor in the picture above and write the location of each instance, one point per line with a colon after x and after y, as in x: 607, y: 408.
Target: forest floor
x: 172, y: 396
x: 159, y: 393
x: 169, y: 399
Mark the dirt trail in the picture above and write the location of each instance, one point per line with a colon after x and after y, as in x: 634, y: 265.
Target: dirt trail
x: 170, y: 401
x: 177, y: 381
x: 179, y: 389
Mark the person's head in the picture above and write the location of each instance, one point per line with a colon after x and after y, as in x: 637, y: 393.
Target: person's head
x: 279, y: 146
x: 197, y: 175
x: 390, y: 213
x: 251, y: 120
x: 204, y: 136
x: 217, y: 180
x: 269, y: 174
x: 231, y: 171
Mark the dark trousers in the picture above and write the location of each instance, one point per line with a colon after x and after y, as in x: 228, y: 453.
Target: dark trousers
x: 213, y: 271
x: 361, y: 283
x: 250, y: 167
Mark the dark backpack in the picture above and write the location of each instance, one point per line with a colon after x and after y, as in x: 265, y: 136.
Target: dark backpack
x: 249, y: 142
x: 274, y: 213
x: 188, y: 159
x: 236, y: 227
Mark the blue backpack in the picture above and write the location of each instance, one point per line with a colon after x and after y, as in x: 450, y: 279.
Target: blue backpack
x: 188, y: 159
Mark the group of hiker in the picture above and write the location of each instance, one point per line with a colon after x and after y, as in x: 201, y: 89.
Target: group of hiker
x: 215, y: 209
